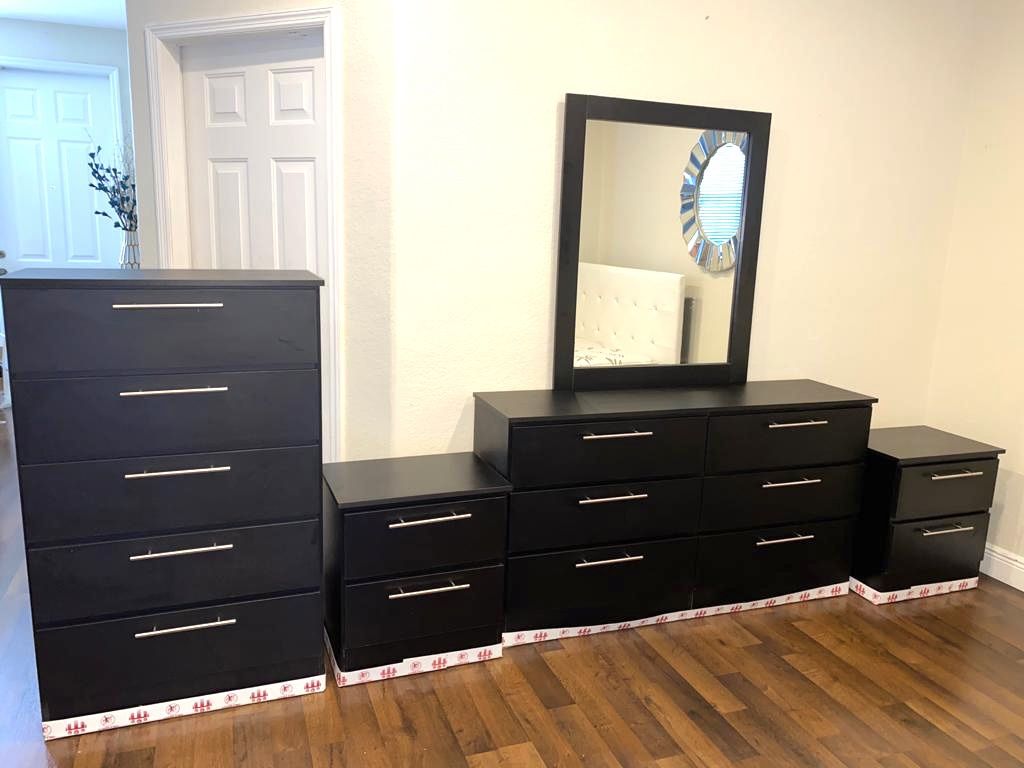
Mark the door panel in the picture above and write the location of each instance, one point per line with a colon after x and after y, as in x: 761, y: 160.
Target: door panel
x: 256, y: 148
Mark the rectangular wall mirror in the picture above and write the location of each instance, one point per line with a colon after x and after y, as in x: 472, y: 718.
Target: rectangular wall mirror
x: 661, y: 211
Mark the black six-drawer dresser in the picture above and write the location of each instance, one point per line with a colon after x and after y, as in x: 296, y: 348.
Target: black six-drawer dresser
x: 636, y: 506
x: 167, y: 427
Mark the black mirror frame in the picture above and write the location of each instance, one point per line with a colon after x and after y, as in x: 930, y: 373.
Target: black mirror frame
x: 578, y: 109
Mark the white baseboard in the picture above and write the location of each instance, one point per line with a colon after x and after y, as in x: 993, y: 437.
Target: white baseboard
x: 1004, y: 565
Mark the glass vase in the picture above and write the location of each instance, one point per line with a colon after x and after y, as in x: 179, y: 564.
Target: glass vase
x: 130, y: 257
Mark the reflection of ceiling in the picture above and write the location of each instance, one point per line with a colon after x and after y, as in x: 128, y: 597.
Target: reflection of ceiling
x: 88, y: 13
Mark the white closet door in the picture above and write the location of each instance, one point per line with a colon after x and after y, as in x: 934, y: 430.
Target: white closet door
x: 50, y: 123
x: 254, y: 120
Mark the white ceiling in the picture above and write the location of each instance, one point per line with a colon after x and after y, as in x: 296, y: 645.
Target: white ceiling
x: 88, y: 13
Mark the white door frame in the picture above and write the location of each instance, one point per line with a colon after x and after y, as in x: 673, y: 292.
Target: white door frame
x: 68, y: 68
x: 167, y: 116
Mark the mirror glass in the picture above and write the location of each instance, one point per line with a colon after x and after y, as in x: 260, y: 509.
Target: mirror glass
x: 660, y: 231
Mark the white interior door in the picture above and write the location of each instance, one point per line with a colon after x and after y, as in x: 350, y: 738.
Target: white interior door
x: 49, y: 122
x: 256, y: 152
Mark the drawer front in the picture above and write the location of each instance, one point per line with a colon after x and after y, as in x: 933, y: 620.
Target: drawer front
x: 63, y: 502
x: 784, y: 496
x: 60, y: 331
x: 417, y: 606
x: 132, y: 575
x: 929, y: 551
x: 599, y: 514
x: 422, y: 538
x: 753, y: 565
x: 100, y: 666
x: 598, y: 586
x: 108, y: 418
x: 933, y: 490
x: 790, y: 439
x: 606, y: 451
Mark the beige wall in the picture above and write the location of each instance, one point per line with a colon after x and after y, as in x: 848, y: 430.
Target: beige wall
x: 68, y: 42
x: 977, y: 378
x: 452, y: 141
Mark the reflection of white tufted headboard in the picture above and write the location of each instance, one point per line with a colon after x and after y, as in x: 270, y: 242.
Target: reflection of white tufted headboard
x: 639, y: 311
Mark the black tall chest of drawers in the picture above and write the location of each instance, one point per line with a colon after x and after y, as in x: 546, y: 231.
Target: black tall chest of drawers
x: 167, y: 426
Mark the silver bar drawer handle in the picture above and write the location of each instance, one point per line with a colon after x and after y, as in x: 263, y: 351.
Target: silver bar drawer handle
x: 610, y: 499
x: 617, y: 435
x: 789, y: 483
x: 187, y: 628
x: 612, y: 561
x: 431, y: 520
x: 176, y: 472
x: 180, y: 552
x: 791, y: 424
x: 204, y: 305
x: 190, y: 391
x: 401, y: 594
x: 958, y: 475
x: 787, y: 540
x: 957, y: 528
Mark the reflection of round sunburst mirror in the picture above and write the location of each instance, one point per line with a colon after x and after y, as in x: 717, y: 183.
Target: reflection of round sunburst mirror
x: 712, y: 199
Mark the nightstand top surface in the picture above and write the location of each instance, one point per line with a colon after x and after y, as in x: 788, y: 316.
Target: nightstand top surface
x: 922, y: 445
x: 411, y: 480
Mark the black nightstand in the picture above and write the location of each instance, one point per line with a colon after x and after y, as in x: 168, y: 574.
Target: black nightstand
x: 414, y: 575
x: 925, y: 514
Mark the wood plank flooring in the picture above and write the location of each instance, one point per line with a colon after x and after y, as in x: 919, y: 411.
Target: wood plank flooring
x: 937, y: 682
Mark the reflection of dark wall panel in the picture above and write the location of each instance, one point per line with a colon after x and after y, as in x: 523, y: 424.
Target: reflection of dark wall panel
x: 689, y: 310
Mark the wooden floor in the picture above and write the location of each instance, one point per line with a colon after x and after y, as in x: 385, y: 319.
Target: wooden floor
x: 936, y: 682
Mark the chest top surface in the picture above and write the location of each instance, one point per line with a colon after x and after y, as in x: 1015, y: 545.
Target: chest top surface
x: 158, y: 278
x: 921, y: 445
x: 411, y: 480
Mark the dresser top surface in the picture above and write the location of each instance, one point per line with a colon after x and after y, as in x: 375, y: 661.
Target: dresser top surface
x: 553, y: 405
x: 159, y: 278
x: 923, y: 445
x: 411, y: 480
